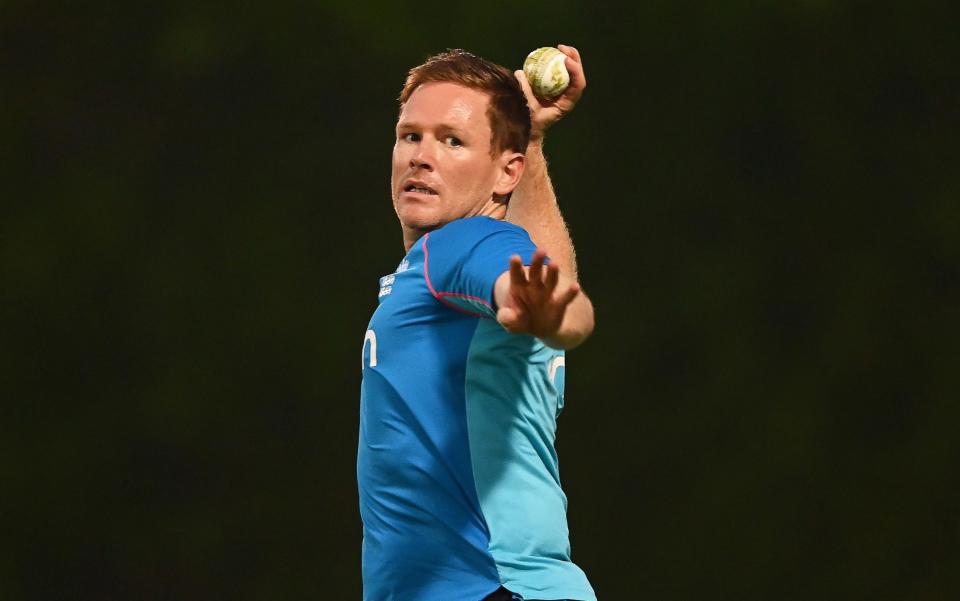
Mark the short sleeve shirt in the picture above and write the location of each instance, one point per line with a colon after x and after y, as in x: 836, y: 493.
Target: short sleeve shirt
x: 458, y: 476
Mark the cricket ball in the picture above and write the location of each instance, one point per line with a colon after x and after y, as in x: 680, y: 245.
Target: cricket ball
x: 546, y: 72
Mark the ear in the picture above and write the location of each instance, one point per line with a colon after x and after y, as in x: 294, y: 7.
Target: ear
x: 510, y: 170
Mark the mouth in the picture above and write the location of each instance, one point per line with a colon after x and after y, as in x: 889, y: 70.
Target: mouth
x: 419, y: 188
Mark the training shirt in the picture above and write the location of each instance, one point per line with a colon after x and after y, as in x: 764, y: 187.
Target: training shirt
x: 458, y: 478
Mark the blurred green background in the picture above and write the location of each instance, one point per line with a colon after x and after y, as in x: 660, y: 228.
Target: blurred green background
x: 195, y: 212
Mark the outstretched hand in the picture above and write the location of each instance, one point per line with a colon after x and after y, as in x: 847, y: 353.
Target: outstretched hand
x: 537, y: 301
x: 544, y: 112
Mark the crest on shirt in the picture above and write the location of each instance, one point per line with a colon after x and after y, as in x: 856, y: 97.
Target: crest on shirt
x: 386, y: 285
x: 386, y: 282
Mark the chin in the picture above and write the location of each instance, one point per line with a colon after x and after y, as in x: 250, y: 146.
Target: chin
x: 419, y: 218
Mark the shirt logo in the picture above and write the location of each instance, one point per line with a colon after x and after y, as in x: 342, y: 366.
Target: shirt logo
x: 386, y: 285
x: 386, y: 282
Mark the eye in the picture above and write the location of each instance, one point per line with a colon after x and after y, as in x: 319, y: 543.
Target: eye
x: 410, y: 137
x: 453, y: 141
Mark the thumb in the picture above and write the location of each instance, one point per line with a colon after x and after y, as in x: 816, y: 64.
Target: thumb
x: 508, y: 318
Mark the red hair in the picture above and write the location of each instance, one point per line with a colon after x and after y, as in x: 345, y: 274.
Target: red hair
x: 508, y: 112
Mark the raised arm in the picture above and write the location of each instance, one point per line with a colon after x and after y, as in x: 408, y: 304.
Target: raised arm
x: 533, y: 204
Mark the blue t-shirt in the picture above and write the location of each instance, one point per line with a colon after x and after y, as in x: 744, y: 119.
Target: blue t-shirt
x: 458, y: 478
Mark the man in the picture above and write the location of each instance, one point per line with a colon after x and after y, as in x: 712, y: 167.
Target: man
x: 462, y: 383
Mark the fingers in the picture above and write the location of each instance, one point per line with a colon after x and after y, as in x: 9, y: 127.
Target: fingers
x: 553, y: 276
x: 532, y: 100
x: 536, y: 267
x: 535, y: 306
x: 570, y: 51
x: 518, y: 278
x: 571, y: 293
x: 578, y: 79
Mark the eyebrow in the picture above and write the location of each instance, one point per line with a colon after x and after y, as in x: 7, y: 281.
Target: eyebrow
x: 418, y: 125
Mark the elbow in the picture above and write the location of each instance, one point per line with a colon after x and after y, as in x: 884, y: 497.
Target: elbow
x: 576, y: 332
x: 583, y: 332
x: 567, y: 340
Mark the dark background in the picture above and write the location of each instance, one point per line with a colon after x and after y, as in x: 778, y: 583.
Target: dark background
x: 195, y: 212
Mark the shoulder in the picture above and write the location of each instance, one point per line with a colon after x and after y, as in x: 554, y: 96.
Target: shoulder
x: 472, y: 230
x: 463, y: 259
x: 476, y: 248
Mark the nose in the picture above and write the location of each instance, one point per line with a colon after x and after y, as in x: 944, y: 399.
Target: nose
x: 421, y: 158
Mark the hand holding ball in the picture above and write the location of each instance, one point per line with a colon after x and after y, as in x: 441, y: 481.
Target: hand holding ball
x: 546, y: 72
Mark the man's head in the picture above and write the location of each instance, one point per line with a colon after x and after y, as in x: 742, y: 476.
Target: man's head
x: 508, y: 113
x: 461, y: 134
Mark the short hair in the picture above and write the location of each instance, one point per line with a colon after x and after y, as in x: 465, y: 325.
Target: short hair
x: 508, y: 113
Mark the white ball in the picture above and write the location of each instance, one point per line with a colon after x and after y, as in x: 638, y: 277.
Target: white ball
x: 546, y: 71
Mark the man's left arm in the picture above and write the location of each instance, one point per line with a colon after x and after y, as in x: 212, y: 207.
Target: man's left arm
x: 540, y: 301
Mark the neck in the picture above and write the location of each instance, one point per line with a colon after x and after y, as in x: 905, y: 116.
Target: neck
x: 409, y: 237
x: 495, y: 208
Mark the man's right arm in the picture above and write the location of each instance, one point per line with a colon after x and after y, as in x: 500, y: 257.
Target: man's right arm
x: 533, y: 204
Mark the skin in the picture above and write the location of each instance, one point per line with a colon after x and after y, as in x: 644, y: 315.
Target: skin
x: 533, y: 205
x: 443, y: 142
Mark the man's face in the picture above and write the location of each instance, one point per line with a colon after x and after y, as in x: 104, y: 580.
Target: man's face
x: 442, y: 166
